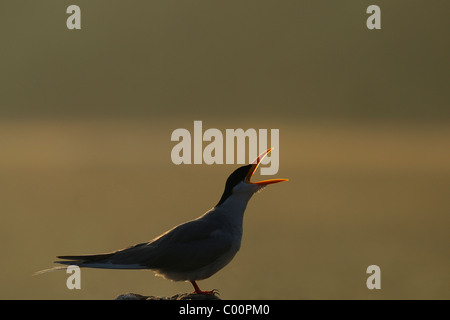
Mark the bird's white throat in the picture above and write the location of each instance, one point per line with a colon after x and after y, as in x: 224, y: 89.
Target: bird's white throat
x: 236, y: 203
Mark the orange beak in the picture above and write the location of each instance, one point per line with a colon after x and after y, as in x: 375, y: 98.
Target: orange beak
x: 253, y: 168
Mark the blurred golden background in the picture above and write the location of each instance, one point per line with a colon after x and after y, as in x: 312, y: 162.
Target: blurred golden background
x: 86, y: 118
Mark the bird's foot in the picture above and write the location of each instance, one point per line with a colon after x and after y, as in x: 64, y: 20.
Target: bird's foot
x: 212, y: 292
x: 198, y: 291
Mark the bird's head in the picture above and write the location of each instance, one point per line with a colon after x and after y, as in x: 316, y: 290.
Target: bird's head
x: 240, y: 180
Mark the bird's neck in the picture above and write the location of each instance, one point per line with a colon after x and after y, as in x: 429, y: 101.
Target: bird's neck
x: 234, y: 206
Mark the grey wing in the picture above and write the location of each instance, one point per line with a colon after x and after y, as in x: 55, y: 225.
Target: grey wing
x: 188, y: 246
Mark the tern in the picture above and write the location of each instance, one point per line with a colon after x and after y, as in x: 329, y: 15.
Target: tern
x: 194, y: 250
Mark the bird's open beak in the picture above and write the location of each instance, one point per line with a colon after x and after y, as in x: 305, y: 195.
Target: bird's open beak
x: 253, y: 168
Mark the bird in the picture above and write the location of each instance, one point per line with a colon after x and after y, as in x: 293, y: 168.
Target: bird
x: 194, y: 250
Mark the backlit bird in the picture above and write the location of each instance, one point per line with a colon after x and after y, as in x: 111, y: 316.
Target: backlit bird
x: 194, y: 250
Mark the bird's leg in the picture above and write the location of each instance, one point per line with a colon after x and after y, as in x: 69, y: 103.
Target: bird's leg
x: 198, y: 291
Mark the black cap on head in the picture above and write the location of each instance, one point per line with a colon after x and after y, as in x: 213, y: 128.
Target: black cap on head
x: 237, y: 176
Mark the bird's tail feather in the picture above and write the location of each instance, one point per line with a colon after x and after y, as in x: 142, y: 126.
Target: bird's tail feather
x: 102, y: 261
x: 81, y: 261
x: 90, y: 261
x: 85, y: 258
x: 49, y: 270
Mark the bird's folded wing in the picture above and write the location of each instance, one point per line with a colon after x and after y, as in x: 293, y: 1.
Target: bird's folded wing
x: 186, y: 247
